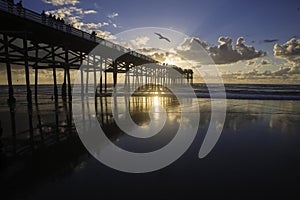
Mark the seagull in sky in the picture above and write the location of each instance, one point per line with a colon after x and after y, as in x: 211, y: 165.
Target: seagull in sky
x: 162, y: 37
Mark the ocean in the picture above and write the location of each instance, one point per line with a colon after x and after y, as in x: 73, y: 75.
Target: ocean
x: 233, y: 91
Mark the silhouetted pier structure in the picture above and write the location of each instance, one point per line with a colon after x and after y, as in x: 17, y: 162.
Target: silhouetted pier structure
x: 37, y: 42
x: 34, y: 40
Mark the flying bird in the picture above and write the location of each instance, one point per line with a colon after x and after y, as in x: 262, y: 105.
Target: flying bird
x: 162, y: 37
x: 270, y: 41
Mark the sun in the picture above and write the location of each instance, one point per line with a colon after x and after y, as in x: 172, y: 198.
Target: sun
x: 169, y: 61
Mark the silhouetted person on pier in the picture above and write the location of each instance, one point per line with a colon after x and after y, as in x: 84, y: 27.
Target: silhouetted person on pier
x: 43, y: 14
x: 93, y: 35
x: 50, y: 20
x: 69, y: 28
x: 19, y: 7
x: 53, y: 20
x: 61, y: 22
x: 19, y: 4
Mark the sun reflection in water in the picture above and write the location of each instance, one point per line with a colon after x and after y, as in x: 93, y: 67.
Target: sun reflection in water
x: 156, y: 103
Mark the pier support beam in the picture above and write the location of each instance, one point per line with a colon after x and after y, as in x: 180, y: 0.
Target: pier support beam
x: 67, y: 75
x: 95, y: 74
x: 54, y: 76
x: 64, y: 86
x: 87, y: 75
x: 11, y: 98
x: 81, y: 75
x: 69, y: 85
x: 55, y: 93
x: 36, y: 70
x: 105, y: 76
x: 115, y: 72
x: 29, y: 93
x: 101, y: 79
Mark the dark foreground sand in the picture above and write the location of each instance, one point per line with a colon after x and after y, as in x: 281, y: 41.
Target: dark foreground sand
x: 258, y: 154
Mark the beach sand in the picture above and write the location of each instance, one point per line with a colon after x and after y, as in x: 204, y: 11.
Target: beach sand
x: 257, y: 154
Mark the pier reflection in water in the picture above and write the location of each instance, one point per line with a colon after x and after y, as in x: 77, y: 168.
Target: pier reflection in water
x: 143, y: 111
x: 258, y: 147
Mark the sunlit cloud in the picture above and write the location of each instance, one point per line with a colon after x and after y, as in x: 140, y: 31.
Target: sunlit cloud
x: 263, y: 63
x: 93, y: 26
x: 61, y: 2
x: 74, y: 16
x: 250, y: 62
x: 113, y: 15
x: 289, y: 51
x: 90, y: 12
x: 224, y: 53
x: 105, y: 34
x: 139, y: 42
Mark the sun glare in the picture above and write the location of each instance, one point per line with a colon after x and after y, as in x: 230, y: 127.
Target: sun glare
x: 156, y: 101
x: 169, y: 61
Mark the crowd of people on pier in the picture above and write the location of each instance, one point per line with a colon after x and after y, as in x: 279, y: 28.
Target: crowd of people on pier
x: 52, y: 18
x: 59, y: 22
x: 47, y: 18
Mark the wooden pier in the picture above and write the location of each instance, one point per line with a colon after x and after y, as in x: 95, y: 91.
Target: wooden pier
x: 37, y: 42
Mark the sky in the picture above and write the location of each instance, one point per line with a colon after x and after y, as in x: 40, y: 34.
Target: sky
x: 249, y: 41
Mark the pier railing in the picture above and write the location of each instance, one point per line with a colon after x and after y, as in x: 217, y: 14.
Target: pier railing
x: 58, y: 25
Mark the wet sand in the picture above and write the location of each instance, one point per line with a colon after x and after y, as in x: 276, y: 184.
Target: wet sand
x: 257, y: 154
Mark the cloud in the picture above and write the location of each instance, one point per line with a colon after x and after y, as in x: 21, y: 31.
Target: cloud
x: 293, y: 70
x: 224, y: 53
x: 265, y: 62
x: 161, y: 57
x: 195, y: 50
x: 247, y: 52
x: 74, y: 16
x: 250, y: 62
x: 86, y: 12
x: 61, y: 2
x: 139, y: 42
x: 255, y: 74
x: 105, y: 34
x: 282, y: 71
x: 113, y: 15
x: 289, y: 51
x: 67, y: 12
x: 93, y: 26
x: 71, y: 15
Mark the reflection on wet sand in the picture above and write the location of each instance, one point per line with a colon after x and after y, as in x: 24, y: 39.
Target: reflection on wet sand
x: 34, y: 157
x: 142, y: 111
x: 47, y: 126
x: 276, y: 115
